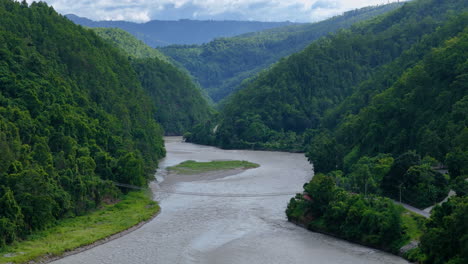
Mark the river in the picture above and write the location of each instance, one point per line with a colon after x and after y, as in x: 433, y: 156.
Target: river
x: 231, y: 219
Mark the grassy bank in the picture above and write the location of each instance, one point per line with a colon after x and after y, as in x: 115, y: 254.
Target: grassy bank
x: 413, y: 225
x: 72, y: 233
x: 194, y: 167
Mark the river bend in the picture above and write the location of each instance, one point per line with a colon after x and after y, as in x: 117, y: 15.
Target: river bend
x: 235, y: 219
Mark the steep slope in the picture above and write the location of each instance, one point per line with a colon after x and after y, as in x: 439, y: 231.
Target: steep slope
x: 423, y: 113
x: 294, y: 95
x: 222, y: 64
x: 73, y: 118
x: 158, y: 33
x: 424, y: 110
x: 180, y: 102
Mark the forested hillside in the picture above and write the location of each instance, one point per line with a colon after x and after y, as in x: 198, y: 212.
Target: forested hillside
x: 73, y: 118
x: 276, y: 109
x: 157, y: 33
x: 221, y: 65
x: 424, y: 110
x: 180, y: 104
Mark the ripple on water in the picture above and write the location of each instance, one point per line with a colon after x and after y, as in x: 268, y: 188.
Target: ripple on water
x: 229, y: 219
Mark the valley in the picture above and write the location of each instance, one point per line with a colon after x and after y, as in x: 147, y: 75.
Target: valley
x: 338, y: 141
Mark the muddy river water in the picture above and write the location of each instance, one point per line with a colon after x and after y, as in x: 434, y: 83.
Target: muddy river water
x: 234, y: 218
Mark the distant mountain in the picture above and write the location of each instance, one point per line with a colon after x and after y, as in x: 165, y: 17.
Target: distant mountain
x: 221, y: 65
x: 158, y: 33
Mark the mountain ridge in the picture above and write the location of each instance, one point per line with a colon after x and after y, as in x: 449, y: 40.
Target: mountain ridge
x: 222, y: 65
x: 156, y: 33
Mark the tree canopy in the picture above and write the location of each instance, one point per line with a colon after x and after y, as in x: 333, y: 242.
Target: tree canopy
x: 180, y: 103
x: 73, y: 118
x: 222, y: 65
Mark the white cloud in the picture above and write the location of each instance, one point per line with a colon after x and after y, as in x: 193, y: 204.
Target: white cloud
x: 263, y: 10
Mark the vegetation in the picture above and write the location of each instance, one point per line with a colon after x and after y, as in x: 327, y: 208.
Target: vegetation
x: 413, y: 225
x: 72, y: 233
x: 180, y: 103
x: 407, y: 179
x: 73, y: 118
x: 284, y: 106
x: 194, y: 167
x: 372, y: 220
x: 348, y: 98
x: 224, y: 63
x: 446, y: 236
x: 413, y: 99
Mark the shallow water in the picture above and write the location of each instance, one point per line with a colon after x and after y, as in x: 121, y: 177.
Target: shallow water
x: 234, y: 219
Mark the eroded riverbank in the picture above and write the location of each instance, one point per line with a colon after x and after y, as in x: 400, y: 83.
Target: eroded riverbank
x: 237, y: 218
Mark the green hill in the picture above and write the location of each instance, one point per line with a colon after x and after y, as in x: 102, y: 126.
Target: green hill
x: 180, y: 103
x: 424, y: 110
x: 221, y: 65
x: 274, y: 110
x: 73, y: 118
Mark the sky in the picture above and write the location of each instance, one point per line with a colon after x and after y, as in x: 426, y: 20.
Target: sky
x: 258, y: 10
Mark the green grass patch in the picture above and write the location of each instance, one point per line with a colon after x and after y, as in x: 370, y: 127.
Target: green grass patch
x: 72, y: 233
x: 413, y: 224
x: 194, y: 167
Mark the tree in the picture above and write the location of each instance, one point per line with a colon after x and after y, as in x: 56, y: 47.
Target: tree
x: 322, y: 190
x: 130, y: 170
x: 393, y: 182
x: 11, y: 218
x: 446, y: 236
x: 325, y: 153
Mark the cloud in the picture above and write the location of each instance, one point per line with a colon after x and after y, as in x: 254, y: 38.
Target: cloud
x: 262, y: 10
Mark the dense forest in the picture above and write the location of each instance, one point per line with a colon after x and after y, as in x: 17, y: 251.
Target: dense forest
x: 73, y: 119
x: 157, y: 33
x: 374, y: 221
x: 421, y: 122
x: 299, y: 93
x: 420, y: 119
x: 221, y: 65
x: 180, y: 103
x: 378, y: 222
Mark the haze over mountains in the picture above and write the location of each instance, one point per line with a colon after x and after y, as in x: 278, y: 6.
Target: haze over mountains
x: 157, y: 33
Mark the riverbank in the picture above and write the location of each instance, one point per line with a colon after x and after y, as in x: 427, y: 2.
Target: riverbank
x: 74, y: 235
x: 220, y: 219
x: 412, y: 224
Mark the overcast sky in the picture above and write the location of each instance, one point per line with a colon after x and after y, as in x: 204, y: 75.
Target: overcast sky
x: 260, y: 10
